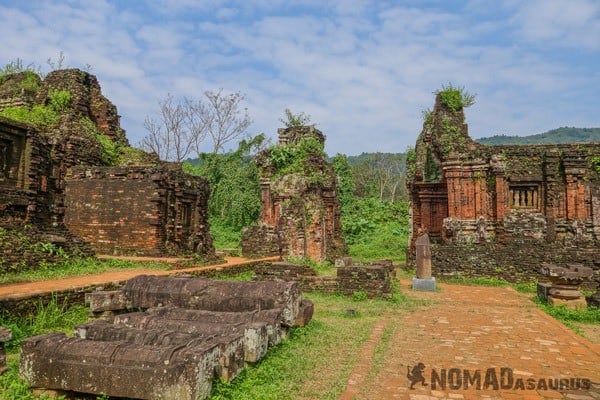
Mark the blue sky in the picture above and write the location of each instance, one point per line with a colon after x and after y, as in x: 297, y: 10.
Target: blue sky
x: 362, y: 69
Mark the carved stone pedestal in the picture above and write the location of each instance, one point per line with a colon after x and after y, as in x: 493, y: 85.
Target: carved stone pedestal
x: 565, y: 283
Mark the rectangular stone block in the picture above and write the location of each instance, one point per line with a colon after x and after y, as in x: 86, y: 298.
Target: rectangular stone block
x: 5, y: 336
x: 231, y: 347
x: 118, y: 369
x: 256, y: 339
x: 307, y: 309
x: 203, y: 294
x: 425, y: 284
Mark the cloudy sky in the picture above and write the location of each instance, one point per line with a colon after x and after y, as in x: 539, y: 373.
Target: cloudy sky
x: 362, y: 69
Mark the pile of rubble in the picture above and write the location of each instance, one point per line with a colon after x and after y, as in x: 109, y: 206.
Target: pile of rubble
x: 166, y: 338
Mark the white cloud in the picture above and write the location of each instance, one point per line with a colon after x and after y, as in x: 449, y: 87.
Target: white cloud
x: 363, y: 69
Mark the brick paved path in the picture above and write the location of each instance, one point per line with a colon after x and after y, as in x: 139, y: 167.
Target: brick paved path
x: 481, y: 329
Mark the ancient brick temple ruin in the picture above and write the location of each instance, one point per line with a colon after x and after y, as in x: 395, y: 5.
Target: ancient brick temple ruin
x: 502, y: 210
x: 300, y: 208
x: 73, y: 167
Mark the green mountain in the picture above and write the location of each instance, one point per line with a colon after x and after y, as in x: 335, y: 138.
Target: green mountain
x: 554, y: 136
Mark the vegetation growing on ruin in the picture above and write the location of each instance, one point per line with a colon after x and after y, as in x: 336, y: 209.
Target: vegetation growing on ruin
x: 596, y: 164
x: 292, y: 120
x: 455, y: 98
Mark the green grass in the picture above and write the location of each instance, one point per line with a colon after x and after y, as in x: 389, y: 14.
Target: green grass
x: 522, y: 287
x: 77, y: 267
x: 54, y: 317
x: 317, y: 360
x: 589, y: 315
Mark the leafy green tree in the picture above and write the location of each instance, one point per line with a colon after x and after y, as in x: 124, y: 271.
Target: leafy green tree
x: 234, y: 182
x: 345, y: 178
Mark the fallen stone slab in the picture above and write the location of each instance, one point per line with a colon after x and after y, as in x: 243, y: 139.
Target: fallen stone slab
x: 147, y: 291
x: 256, y: 339
x: 231, y: 347
x: 118, y: 369
x: 271, y: 319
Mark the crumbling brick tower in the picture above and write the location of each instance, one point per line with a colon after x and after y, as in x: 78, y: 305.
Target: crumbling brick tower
x: 300, y: 208
x: 502, y: 210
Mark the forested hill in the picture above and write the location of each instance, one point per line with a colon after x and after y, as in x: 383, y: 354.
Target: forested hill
x: 560, y: 135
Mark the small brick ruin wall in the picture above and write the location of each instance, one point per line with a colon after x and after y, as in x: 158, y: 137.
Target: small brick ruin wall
x: 373, y: 280
x: 516, y: 263
x: 149, y: 211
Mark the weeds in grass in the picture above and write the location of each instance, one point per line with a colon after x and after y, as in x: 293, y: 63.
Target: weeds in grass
x: 53, y: 317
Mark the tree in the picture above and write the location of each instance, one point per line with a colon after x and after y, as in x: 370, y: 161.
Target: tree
x: 178, y: 133
x: 345, y: 178
x: 294, y: 120
x: 183, y: 126
x: 225, y: 119
x: 233, y: 177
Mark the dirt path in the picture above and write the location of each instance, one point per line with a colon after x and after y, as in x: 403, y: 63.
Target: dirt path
x: 20, y: 290
x: 477, y: 330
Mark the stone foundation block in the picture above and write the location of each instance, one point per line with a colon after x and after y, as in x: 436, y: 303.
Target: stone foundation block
x: 231, y: 347
x: 307, y: 309
x: 424, y: 284
x: 102, y: 301
x: 573, y: 304
x: 5, y: 336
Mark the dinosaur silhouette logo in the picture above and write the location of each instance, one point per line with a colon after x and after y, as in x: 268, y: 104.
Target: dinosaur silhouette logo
x: 416, y: 374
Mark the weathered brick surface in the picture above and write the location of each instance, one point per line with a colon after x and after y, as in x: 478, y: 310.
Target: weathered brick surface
x: 145, y: 210
x: 374, y: 280
x: 501, y: 210
x: 153, y: 210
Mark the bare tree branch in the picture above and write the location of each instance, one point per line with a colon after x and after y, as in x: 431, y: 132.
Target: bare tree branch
x: 183, y: 126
